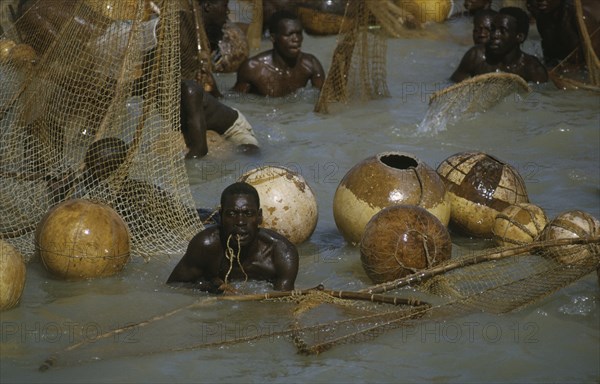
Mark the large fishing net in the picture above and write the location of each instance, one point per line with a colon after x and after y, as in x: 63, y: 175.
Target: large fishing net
x: 116, y: 77
x: 470, y: 97
x: 105, y: 72
x: 591, y: 78
x: 358, y: 68
x: 493, y: 281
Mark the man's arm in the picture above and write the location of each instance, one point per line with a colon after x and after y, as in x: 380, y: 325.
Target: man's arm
x: 536, y: 72
x: 318, y: 74
x: 193, y: 121
x: 243, y: 82
x: 466, y: 67
x: 285, y: 260
x: 197, y: 264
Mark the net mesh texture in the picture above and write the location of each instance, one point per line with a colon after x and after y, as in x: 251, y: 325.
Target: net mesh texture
x: 84, y: 71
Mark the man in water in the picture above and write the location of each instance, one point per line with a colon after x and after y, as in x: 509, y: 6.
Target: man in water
x: 502, y: 53
x: 228, y: 43
x: 482, y: 26
x: 556, y: 21
x: 237, y: 248
x: 283, y: 69
x: 474, y: 6
x: 201, y: 111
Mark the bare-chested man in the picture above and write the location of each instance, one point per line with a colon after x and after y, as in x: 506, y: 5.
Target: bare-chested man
x: 237, y: 248
x: 474, y: 6
x: 482, y: 25
x: 502, y: 53
x: 556, y: 21
x: 201, y: 111
x: 283, y: 69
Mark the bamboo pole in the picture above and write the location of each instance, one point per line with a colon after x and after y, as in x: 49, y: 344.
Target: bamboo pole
x: 496, y: 254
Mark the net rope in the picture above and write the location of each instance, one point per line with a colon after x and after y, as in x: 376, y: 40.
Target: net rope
x: 468, y: 98
x: 109, y: 69
x: 495, y: 281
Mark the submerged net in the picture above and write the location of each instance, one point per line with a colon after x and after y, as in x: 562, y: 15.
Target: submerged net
x: 358, y: 66
x: 496, y: 281
x: 591, y: 79
x: 470, y: 97
x: 76, y: 72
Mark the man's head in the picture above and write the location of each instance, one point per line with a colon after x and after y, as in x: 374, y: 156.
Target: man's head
x: 104, y: 157
x: 521, y: 18
x: 509, y: 29
x: 240, y: 214
x: 286, y: 33
x: 215, y: 13
x: 472, y: 6
x: 482, y: 25
x: 543, y: 6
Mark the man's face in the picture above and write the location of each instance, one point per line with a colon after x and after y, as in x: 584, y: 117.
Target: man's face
x: 482, y: 27
x: 475, y: 5
x: 542, y: 6
x: 504, y: 36
x: 288, y: 39
x: 216, y: 13
x: 240, y: 218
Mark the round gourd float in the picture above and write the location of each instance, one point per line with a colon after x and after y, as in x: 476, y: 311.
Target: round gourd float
x: 571, y: 225
x: 519, y: 224
x: 79, y: 239
x: 119, y: 9
x: 12, y: 276
x: 320, y: 22
x: 479, y: 188
x: 401, y: 240
x: 22, y: 56
x: 435, y: 11
x: 233, y: 49
x: 217, y: 145
x: 288, y: 203
x: 5, y: 47
x: 383, y: 180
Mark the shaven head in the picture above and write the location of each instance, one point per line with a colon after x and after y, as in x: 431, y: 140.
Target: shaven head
x: 277, y: 17
x: 484, y: 13
x: 240, y: 188
x: 521, y: 18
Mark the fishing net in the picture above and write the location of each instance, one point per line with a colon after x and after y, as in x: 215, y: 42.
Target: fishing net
x: 470, y: 97
x: 358, y: 67
x: 494, y: 281
x: 497, y: 281
x: 589, y: 80
x: 106, y: 72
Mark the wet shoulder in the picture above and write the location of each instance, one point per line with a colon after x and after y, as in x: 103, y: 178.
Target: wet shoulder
x: 310, y: 58
x: 262, y: 57
x: 270, y: 236
x: 209, y: 236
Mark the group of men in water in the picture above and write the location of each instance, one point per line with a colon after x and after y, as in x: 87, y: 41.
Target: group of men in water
x: 261, y: 254
x: 237, y: 246
x: 497, y: 37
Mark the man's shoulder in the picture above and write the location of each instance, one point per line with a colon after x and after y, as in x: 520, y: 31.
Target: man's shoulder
x: 475, y: 54
x: 261, y: 56
x: 531, y: 59
x: 208, y: 235
x: 309, y: 57
x: 273, y: 237
x: 478, y: 48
